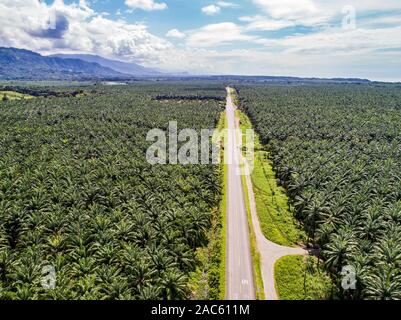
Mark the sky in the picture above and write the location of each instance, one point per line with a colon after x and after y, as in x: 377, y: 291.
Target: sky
x: 307, y: 38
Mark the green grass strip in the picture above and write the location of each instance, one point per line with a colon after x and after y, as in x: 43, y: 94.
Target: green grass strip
x: 302, y: 278
x: 257, y: 272
x: 275, y: 214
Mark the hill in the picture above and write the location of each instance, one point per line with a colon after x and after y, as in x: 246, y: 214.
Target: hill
x: 132, y: 69
x: 20, y: 64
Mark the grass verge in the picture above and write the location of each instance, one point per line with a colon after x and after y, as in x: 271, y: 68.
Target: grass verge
x: 302, y: 278
x: 257, y: 272
x: 208, y: 280
x: 275, y: 214
x: 297, y: 277
x: 223, y: 215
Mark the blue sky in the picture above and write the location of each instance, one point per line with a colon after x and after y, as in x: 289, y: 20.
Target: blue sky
x: 343, y: 38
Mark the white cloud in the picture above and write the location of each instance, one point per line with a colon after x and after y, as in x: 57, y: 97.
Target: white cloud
x: 147, y: 5
x: 175, y: 33
x: 263, y: 23
x: 211, y: 10
x: 338, y: 41
x: 288, y: 9
x: 391, y: 20
x: 218, y: 34
x: 214, y: 9
x: 370, y: 51
x: 314, y: 11
x: 225, y: 4
x: 25, y: 25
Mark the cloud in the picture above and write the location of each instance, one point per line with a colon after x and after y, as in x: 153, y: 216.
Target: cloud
x: 372, y: 50
x: 316, y: 11
x: 214, y: 9
x: 25, y: 24
x: 211, y: 10
x: 57, y: 26
x: 218, y: 34
x: 225, y: 4
x: 265, y: 24
x: 147, y: 5
x: 335, y: 41
x: 288, y: 9
x: 175, y: 33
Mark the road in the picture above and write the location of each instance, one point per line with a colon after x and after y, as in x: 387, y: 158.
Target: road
x: 239, y: 273
x: 269, y: 251
x: 240, y: 284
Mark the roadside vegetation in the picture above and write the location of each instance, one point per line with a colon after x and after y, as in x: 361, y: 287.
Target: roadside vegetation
x: 207, y: 282
x: 282, y: 229
x: 302, y: 278
x: 276, y: 215
x: 223, y: 215
x: 257, y: 271
x: 335, y: 151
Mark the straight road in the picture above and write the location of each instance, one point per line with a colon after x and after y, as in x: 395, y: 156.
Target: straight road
x: 239, y: 273
x: 269, y: 251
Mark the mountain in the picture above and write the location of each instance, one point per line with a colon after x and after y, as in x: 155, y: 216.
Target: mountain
x: 20, y: 64
x: 132, y: 69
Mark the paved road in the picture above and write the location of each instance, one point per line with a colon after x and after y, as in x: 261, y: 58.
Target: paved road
x: 239, y: 273
x: 269, y: 251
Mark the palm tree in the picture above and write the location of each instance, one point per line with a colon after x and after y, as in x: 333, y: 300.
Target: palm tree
x: 383, y: 284
x: 173, y: 284
x: 151, y: 292
x: 24, y: 292
x: 388, y: 252
x: 339, y: 249
x: 361, y: 265
x: 7, y: 265
x: 323, y: 233
x: 312, y: 213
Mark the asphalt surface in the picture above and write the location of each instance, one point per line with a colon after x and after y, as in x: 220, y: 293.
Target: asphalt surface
x: 269, y: 251
x: 239, y: 270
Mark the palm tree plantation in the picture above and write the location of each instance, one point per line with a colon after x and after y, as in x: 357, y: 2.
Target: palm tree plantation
x: 336, y: 150
x: 78, y: 194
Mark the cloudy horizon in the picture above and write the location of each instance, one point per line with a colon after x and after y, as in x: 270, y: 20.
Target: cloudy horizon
x: 305, y: 38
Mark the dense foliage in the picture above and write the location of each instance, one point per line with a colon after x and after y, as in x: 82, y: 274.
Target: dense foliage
x: 301, y: 278
x: 77, y: 193
x: 337, y: 151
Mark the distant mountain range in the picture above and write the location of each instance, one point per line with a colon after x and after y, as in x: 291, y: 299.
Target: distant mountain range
x: 132, y: 69
x: 20, y: 64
